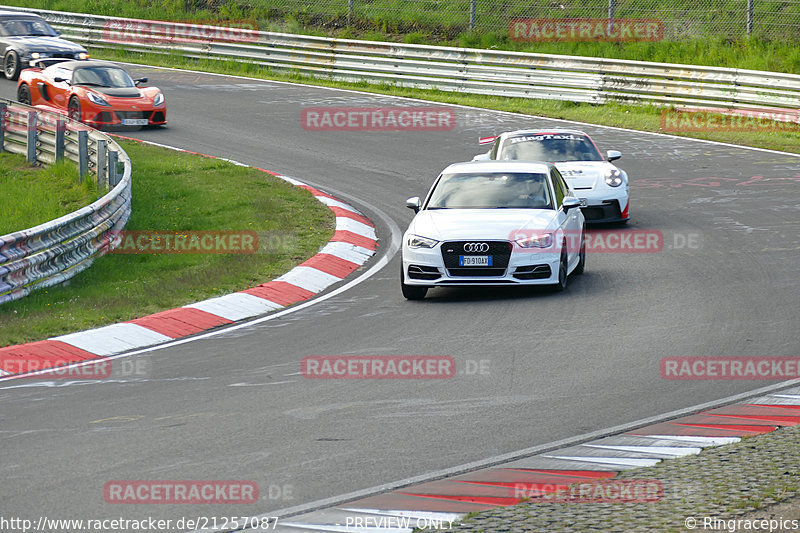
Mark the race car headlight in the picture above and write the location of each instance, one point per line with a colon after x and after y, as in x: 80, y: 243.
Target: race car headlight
x: 36, y: 55
x: 83, y: 55
x: 543, y: 240
x: 417, y: 241
x: 614, y: 178
x: 96, y: 99
x: 159, y: 99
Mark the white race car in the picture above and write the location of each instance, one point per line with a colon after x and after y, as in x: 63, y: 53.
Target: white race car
x: 500, y: 223
x: 601, y: 186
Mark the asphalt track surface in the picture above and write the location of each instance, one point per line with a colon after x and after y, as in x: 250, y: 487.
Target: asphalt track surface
x: 234, y: 407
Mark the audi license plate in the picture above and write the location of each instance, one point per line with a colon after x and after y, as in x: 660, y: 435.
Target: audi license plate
x: 134, y: 122
x: 475, y: 260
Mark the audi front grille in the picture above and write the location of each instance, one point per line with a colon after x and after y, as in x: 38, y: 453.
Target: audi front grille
x: 499, y: 250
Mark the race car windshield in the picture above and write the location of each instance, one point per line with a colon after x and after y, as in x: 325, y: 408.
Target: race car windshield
x: 25, y: 27
x: 491, y: 191
x: 550, y: 147
x: 102, y: 77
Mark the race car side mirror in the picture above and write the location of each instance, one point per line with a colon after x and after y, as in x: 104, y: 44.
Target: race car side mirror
x: 570, y: 202
x: 413, y: 203
x: 613, y: 155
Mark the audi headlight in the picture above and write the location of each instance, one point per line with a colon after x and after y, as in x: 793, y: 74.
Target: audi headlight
x: 543, y: 240
x: 159, y: 99
x: 97, y: 99
x: 417, y: 241
x: 614, y: 177
x: 82, y: 55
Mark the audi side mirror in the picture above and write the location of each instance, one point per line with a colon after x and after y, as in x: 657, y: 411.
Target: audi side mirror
x: 483, y: 157
x: 413, y: 203
x: 613, y: 155
x: 570, y: 202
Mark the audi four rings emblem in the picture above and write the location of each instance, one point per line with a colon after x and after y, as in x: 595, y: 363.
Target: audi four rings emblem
x: 476, y: 247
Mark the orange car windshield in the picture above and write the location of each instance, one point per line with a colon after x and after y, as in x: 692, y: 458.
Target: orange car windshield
x: 102, y: 77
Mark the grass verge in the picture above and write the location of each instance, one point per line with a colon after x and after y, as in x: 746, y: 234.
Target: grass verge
x: 33, y: 195
x: 644, y: 118
x: 174, y: 191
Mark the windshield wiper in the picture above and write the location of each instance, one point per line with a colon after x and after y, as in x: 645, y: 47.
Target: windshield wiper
x: 89, y: 84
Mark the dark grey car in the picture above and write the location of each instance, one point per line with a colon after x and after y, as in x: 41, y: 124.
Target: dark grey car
x: 26, y: 36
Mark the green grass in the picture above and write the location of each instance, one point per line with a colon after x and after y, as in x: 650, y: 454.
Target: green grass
x: 702, y: 37
x: 177, y: 191
x: 32, y: 195
x: 645, y: 118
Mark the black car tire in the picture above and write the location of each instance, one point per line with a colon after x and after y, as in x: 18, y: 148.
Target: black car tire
x: 12, y: 65
x: 24, y: 94
x: 74, y: 109
x: 581, y: 255
x: 411, y: 292
x: 563, y: 267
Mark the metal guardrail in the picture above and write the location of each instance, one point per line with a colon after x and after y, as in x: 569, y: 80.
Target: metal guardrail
x: 53, y: 252
x: 491, y: 72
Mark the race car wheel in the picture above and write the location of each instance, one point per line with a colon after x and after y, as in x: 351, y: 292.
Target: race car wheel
x: 411, y: 292
x: 581, y: 255
x: 11, y: 65
x: 562, y: 271
x: 74, y: 109
x: 24, y: 94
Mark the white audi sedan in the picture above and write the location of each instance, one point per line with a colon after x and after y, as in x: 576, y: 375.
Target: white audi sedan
x: 600, y: 185
x: 500, y: 223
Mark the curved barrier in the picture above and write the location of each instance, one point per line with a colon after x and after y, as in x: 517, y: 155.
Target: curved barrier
x: 515, y: 74
x: 53, y: 252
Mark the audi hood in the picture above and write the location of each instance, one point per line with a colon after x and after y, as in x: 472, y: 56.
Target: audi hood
x: 456, y: 224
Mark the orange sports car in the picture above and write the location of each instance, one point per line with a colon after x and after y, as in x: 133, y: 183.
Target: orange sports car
x: 97, y: 93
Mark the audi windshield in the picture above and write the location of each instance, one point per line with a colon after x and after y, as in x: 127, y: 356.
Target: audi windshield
x: 553, y: 147
x: 491, y: 191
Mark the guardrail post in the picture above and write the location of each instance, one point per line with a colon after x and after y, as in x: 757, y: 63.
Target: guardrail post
x: 32, y: 136
x: 349, y: 10
x: 113, y: 176
x: 83, y: 153
x: 750, y: 9
x: 101, y: 171
x: 612, y: 9
x: 3, y: 108
x: 61, y: 128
